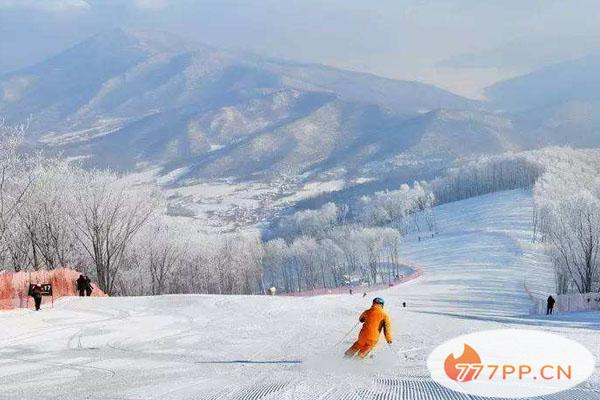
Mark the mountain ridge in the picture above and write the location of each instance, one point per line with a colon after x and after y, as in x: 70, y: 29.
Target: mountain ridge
x: 128, y: 99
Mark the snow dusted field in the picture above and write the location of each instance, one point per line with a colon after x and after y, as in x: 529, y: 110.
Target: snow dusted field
x: 239, y: 347
x: 227, y: 205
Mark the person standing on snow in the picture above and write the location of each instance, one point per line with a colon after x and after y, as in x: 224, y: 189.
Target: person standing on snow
x: 81, y: 285
x: 550, y: 305
x: 88, y: 286
x: 374, y: 320
x: 36, y: 293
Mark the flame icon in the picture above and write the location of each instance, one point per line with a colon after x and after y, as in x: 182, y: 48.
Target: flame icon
x: 469, y: 356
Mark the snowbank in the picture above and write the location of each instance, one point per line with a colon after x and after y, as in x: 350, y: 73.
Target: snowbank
x: 14, y: 286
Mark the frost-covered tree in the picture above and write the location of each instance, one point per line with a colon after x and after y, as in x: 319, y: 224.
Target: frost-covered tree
x: 163, y: 255
x: 106, y: 216
x: 406, y: 209
x: 15, y: 174
x: 251, y: 257
x: 391, y: 249
x: 570, y: 219
x: 315, y: 223
x: 276, y: 265
x: 304, y: 251
x: 43, y: 216
x: 331, y: 263
x: 349, y: 240
x: 488, y: 174
x: 567, y: 217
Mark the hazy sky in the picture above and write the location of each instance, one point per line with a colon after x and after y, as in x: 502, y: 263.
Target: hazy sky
x: 457, y: 44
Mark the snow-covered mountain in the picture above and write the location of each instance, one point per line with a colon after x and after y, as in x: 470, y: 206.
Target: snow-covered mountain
x: 577, y: 80
x: 574, y: 123
x: 131, y: 99
x: 555, y: 105
x: 138, y: 100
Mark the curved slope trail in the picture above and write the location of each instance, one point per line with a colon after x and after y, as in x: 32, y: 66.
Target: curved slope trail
x: 249, y: 348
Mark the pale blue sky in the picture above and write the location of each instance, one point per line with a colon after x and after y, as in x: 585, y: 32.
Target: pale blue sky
x: 405, y: 39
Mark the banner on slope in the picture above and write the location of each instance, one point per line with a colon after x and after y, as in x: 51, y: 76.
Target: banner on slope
x: 510, y: 363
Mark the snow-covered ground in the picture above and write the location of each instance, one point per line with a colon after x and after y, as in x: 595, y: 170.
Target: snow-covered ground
x: 483, y: 258
x: 228, y: 205
x: 240, y: 347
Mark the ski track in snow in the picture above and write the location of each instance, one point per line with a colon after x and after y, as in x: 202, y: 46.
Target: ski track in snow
x: 248, y: 348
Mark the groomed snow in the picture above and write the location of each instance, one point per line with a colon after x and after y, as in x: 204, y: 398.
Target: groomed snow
x: 240, y: 347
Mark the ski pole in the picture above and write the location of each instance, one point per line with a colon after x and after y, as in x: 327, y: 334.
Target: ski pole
x: 346, y: 335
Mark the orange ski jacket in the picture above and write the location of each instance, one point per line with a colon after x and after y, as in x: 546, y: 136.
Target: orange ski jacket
x: 374, y: 320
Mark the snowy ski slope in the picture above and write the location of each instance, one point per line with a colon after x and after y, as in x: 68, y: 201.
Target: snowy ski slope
x: 239, y: 347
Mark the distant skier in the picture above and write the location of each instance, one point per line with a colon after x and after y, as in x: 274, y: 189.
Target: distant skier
x: 351, y: 291
x: 88, y: 286
x: 36, y: 293
x: 550, y: 305
x: 374, y: 320
x: 82, y: 284
x: 272, y: 290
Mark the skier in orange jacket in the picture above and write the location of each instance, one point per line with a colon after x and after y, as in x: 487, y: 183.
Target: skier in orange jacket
x: 374, y: 320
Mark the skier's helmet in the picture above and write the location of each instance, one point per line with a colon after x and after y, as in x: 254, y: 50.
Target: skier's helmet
x: 378, y: 300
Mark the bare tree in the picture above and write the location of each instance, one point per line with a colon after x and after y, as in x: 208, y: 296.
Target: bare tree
x: 15, y: 173
x: 164, y: 253
x: 106, y: 217
x: 575, y: 238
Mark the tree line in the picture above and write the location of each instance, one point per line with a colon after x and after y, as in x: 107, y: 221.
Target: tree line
x: 567, y: 218
x: 55, y: 214
x: 566, y: 212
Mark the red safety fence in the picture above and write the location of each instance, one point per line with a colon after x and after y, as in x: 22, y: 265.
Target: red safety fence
x: 14, y: 286
x: 360, y: 288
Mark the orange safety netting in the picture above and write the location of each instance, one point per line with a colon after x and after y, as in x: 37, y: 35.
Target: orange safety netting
x: 14, y: 286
